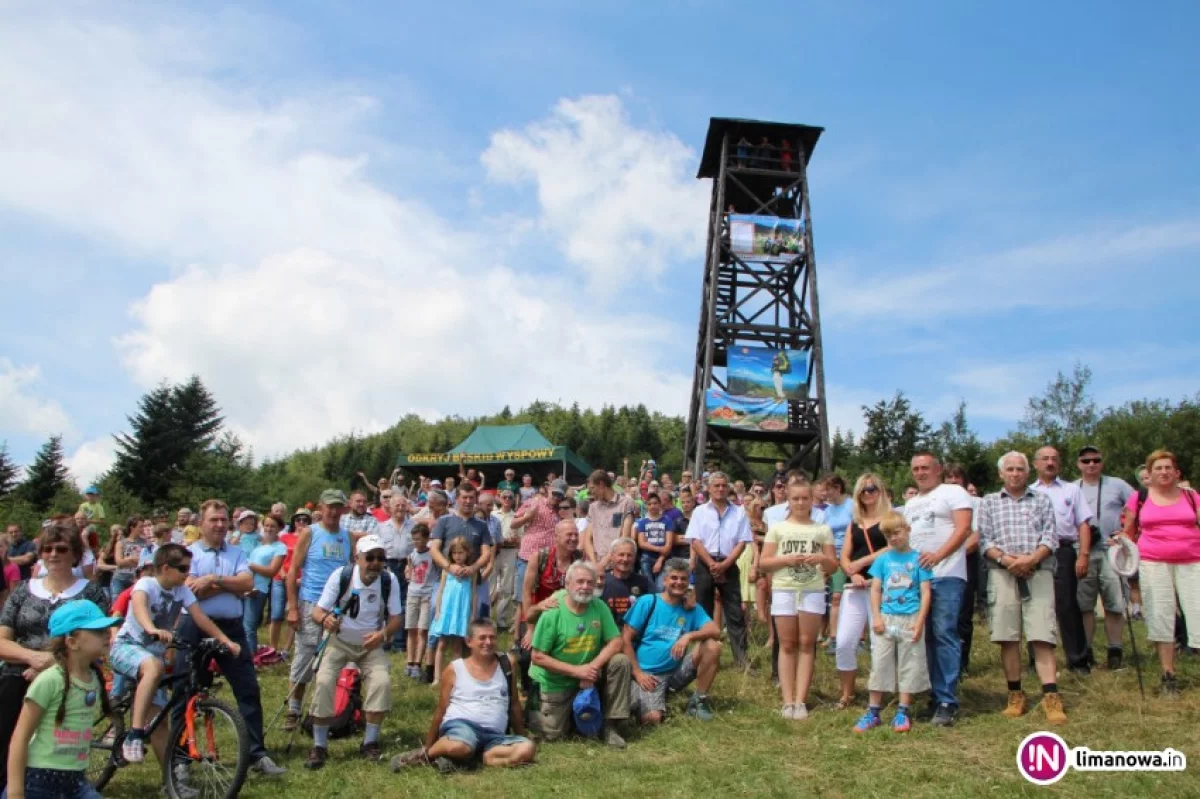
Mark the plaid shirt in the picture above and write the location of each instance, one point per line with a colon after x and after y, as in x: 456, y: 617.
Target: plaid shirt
x: 539, y: 533
x: 359, y: 525
x: 1017, y: 525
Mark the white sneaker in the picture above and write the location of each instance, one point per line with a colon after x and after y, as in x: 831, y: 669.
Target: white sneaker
x: 134, y: 750
x: 799, y: 712
x: 787, y: 710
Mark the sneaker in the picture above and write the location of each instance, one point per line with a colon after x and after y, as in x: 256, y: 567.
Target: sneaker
x: 901, y: 722
x: 698, y: 708
x: 182, y: 791
x: 786, y: 711
x: 1116, y: 660
x: 868, y: 721
x: 291, y: 721
x: 943, y: 716
x: 445, y: 765
x: 1169, y: 689
x: 1082, y: 670
x: 371, y: 751
x: 267, y: 767
x: 316, y: 758
x: 414, y: 757
x: 611, y: 738
x: 1016, y: 705
x: 1053, y: 705
x: 799, y: 712
x: 133, y: 750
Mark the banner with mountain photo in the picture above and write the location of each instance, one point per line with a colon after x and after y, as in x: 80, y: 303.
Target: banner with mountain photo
x: 765, y: 238
x: 747, y: 413
x: 761, y: 372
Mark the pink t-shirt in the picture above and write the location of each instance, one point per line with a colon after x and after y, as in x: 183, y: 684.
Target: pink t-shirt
x: 1169, y: 534
x: 12, y: 575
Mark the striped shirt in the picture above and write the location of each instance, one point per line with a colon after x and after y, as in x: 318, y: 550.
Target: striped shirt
x: 1017, y: 525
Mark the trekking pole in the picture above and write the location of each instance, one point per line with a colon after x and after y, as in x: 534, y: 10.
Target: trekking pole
x: 311, y: 670
x: 1137, y: 660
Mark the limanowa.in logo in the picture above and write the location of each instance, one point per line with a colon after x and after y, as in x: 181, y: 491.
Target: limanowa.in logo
x: 1043, y: 758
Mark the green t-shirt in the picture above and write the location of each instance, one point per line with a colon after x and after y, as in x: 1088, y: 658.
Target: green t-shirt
x: 572, y: 639
x: 65, y: 747
x: 93, y: 511
x: 509, y: 485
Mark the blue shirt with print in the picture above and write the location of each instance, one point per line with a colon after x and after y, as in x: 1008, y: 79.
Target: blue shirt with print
x: 901, y: 575
x: 661, y: 630
x: 838, y: 517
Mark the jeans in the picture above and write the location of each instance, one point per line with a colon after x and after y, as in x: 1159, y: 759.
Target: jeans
x: 943, y: 648
x: 966, y: 613
x: 48, y: 783
x: 646, y: 563
x: 278, y: 600
x: 252, y: 612
x: 120, y: 582
x: 399, y: 641
x: 521, y: 564
x: 731, y: 603
x: 238, y: 672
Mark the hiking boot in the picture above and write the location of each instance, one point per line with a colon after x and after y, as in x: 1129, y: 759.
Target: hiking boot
x: 371, y: 751
x: 267, y: 767
x: 316, y: 758
x: 1053, y: 705
x: 698, y: 708
x: 1016, y: 705
x: 944, y: 716
x: 291, y: 721
x: 1116, y: 659
x: 901, y: 722
x: 868, y: 721
x: 1169, y: 689
x: 413, y: 757
x: 611, y: 738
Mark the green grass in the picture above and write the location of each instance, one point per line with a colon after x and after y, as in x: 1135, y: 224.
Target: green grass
x: 750, y: 751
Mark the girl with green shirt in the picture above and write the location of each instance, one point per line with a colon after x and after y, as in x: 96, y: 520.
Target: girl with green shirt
x: 801, y: 556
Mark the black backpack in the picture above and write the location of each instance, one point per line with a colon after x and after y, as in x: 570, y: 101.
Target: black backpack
x: 1144, y: 493
x: 349, y: 605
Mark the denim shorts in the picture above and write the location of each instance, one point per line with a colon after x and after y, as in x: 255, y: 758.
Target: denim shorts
x: 474, y: 736
x: 126, y: 658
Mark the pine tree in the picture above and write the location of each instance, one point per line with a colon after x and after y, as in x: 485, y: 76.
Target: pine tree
x: 47, y: 475
x: 149, y: 457
x: 8, y: 472
x: 196, y: 415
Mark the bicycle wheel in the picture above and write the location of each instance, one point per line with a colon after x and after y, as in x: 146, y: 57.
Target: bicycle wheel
x: 108, y: 734
x: 213, y: 765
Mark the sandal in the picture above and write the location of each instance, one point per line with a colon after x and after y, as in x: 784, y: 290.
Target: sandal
x: 414, y: 757
x: 844, y: 702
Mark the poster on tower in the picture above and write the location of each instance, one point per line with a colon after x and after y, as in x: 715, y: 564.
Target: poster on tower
x: 761, y: 381
x: 765, y: 238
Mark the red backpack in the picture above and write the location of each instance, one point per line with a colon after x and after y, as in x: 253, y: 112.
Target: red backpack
x: 347, y: 706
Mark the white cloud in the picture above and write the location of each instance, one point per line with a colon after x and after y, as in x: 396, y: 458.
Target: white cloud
x: 91, y: 459
x: 21, y: 410
x: 311, y: 300
x: 622, y: 202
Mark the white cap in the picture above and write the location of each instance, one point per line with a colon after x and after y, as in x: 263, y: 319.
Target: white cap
x: 435, y: 483
x: 369, y: 543
x: 244, y: 515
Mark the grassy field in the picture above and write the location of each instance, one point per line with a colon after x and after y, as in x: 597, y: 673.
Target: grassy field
x: 750, y: 751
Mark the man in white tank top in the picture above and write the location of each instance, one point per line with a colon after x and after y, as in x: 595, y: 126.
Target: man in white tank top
x: 477, y: 709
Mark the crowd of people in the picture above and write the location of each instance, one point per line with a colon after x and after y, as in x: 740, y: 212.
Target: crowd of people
x: 618, y: 593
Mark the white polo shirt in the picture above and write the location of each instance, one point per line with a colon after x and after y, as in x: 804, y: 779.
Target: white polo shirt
x: 370, y: 601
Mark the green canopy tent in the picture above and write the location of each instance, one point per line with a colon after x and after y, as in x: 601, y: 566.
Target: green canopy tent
x: 493, y: 448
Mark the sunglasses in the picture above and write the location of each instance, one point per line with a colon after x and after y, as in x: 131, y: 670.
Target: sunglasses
x: 870, y: 489
x: 180, y: 567
x: 1091, y: 460
x: 61, y: 549
x: 375, y: 558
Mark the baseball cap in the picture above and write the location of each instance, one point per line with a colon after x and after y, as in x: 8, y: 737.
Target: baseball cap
x: 244, y: 515
x: 1088, y: 449
x: 333, y: 496
x: 589, y: 717
x: 1123, y: 556
x: 91, y: 490
x: 559, y: 487
x: 81, y: 614
x: 368, y: 543
x: 435, y: 483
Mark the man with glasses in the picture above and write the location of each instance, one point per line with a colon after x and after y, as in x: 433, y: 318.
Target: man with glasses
x: 368, y: 600
x: 1073, y: 524
x: 1106, y: 497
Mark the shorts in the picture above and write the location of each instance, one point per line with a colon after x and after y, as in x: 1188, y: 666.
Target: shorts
x: 1009, y: 616
x: 308, y: 636
x: 476, y: 737
x: 373, y: 665
x: 1166, y: 588
x: 791, y: 603
x: 898, y: 666
x: 417, y: 615
x: 655, y: 700
x: 1101, y: 581
x: 125, y: 656
x: 837, y: 582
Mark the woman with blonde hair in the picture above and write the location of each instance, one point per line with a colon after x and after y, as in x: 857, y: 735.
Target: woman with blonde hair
x: 1164, y: 520
x: 864, y: 543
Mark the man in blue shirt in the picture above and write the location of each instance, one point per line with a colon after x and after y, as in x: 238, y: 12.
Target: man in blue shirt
x: 659, y: 629
x: 219, y: 576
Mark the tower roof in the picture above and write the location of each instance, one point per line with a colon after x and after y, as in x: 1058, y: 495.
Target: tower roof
x: 805, y: 136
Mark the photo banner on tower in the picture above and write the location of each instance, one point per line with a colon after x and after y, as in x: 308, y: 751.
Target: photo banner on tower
x: 761, y: 372
x: 745, y: 413
x: 765, y: 238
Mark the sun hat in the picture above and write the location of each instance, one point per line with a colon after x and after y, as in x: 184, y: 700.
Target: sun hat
x: 1123, y: 556
x: 81, y: 614
x: 244, y: 515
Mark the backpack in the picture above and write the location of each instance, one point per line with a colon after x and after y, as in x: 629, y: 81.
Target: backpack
x: 266, y: 656
x: 347, y: 716
x: 345, y: 603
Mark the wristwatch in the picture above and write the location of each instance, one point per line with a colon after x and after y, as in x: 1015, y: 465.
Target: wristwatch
x: 220, y: 581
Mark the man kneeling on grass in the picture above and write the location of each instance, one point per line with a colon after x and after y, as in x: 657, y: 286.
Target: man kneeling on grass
x: 659, y: 629
x: 476, y: 712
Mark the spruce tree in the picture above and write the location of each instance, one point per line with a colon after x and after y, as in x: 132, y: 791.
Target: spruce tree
x: 8, y: 472
x: 46, y: 476
x: 149, y: 456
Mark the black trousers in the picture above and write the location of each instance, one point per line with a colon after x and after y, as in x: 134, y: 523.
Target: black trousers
x: 399, y: 641
x: 12, y: 699
x: 239, y: 673
x: 966, y: 613
x: 731, y: 604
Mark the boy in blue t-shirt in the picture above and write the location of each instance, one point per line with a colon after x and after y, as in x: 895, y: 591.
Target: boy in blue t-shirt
x: 900, y: 593
x: 659, y: 629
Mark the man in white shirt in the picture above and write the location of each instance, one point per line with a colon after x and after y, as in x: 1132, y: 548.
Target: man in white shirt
x: 1106, y: 497
x: 940, y: 518
x: 395, y: 533
x: 358, y: 620
x: 718, y: 533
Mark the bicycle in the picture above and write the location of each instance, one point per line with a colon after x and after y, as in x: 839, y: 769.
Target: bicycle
x: 197, y: 763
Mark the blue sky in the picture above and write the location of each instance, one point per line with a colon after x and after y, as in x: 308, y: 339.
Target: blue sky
x: 341, y: 213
